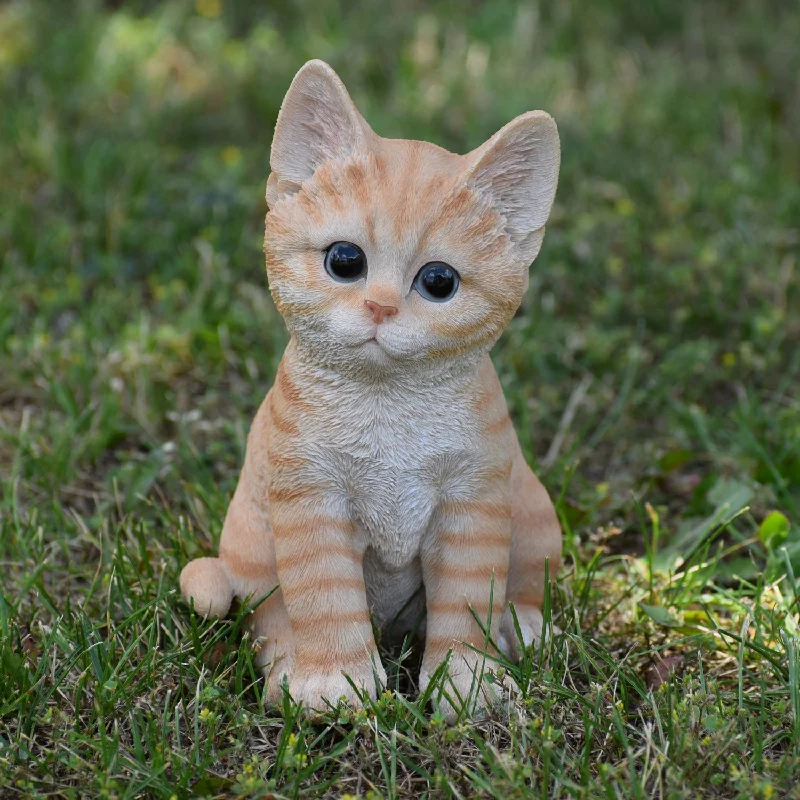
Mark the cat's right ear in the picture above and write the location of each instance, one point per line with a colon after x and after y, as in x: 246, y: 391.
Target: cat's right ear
x: 317, y: 122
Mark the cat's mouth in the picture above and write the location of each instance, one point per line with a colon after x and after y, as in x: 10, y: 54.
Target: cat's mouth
x: 374, y: 344
x: 363, y: 342
x: 382, y: 346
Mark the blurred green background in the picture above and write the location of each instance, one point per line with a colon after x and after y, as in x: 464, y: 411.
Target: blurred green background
x: 134, y: 151
x: 655, y: 359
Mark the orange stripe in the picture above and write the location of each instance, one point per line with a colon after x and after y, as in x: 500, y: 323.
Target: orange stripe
x: 482, y: 572
x: 478, y: 540
x: 278, y: 227
x: 433, y: 189
x: 485, y: 399
x: 381, y: 167
x: 327, y: 583
x: 279, y: 421
x: 505, y: 299
x: 323, y: 620
x: 499, y: 473
x: 474, y: 508
x: 307, y: 307
x: 288, y: 388
x: 337, y: 661
x: 460, y: 346
x: 279, y: 459
x: 461, y: 330
x: 369, y: 224
x: 489, y: 389
x: 500, y: 424
x: 247, y: 568
x: 286, y: 494
x: 326, y: 186
x: 482, y: 228
x: 319, y: 522
x: 331, y: 551
x: 275, y: 265
x: 310, y: 206
x: 357, y: 179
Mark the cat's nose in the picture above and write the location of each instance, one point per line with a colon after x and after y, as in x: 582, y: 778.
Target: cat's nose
x: 379, y: 312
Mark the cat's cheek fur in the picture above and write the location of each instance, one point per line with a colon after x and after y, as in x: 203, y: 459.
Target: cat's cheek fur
x: 373, y: 467
x: 349, y: 325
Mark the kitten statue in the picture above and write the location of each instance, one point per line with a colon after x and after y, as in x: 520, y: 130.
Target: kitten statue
x: 383, y: 459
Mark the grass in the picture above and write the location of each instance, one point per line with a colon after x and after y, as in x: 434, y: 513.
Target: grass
x: 652, y: 373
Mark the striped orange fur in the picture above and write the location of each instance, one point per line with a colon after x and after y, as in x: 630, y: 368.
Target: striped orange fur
x: 384, y: 456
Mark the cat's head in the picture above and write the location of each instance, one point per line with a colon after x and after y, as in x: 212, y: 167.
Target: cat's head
x: 388, y: 256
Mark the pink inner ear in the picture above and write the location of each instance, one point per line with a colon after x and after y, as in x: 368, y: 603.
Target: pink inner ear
x: 317, y: 122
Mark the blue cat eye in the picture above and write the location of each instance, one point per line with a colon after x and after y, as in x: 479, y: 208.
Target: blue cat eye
x: 437, y: 282
x: 345, y: 262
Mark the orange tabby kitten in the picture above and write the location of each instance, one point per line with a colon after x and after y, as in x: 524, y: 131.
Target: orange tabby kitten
x: 383, y: 459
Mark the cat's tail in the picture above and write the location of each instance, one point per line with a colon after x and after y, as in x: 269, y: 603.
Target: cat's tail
x: 206, y: 584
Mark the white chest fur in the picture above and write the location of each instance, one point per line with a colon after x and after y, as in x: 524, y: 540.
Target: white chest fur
x: 394, y: 453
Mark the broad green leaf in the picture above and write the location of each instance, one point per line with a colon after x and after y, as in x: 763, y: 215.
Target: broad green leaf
x: 660, y: 615
x: 774, y: 530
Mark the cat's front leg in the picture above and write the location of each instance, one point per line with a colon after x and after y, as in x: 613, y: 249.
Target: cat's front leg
x: 319, y: 557
x: 465, y: 565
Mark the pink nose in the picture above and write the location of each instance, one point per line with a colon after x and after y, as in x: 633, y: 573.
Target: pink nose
x: 379, y: 312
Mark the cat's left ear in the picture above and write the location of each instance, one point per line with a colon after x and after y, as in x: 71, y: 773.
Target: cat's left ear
x: 518, y: 169
x: 317, y: 122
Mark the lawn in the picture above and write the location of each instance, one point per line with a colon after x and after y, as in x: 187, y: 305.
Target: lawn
x: 653, y: 373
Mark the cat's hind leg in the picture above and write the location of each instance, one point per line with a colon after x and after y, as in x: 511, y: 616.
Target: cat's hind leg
x: 246, y: 569
x: 535, y: 539
x: 246, y: 563
x: 247, y: 553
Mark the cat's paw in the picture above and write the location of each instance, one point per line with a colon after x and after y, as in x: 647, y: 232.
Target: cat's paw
x: 205, y: 585
x: 531, y: 625
x: 316, y: 690
x: 469, y: 688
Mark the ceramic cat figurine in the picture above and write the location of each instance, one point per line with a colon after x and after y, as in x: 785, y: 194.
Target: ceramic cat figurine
x: 383, y: 459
